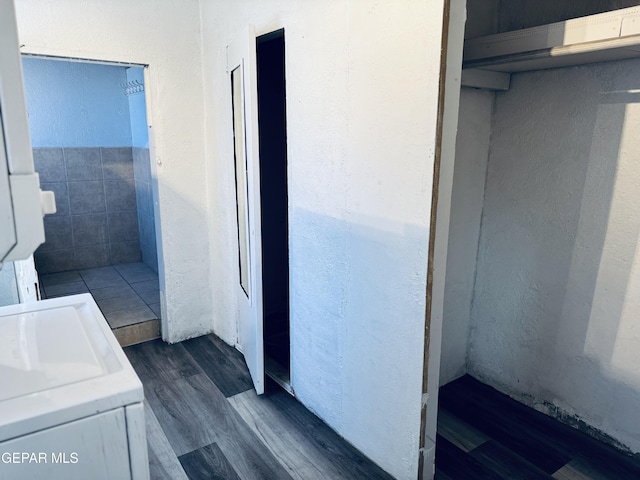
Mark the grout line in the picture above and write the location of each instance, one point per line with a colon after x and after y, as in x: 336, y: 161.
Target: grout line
x: 66, y: 180
x: 106, y: 210
x: 92, y: 289
x: 85, y: 283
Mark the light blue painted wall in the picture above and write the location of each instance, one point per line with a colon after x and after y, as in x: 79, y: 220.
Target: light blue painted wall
x: 138, y: 110
x: 75, y: 104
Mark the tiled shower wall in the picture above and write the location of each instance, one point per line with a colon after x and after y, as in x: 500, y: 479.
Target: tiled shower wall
x: 97, y: 219
x: 144, y: 198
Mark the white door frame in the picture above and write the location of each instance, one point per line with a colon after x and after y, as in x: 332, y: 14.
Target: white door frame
x: 454, y: 18
x: 241, y: 60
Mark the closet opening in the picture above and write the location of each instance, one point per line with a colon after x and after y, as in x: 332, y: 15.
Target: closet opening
x: 272, y: 123
x: 542, y: 250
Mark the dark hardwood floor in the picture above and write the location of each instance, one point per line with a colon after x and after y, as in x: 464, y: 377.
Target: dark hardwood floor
x: 204, y: 421
x: 483, y: 434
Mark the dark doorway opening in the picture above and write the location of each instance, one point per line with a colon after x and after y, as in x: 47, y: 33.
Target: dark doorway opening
x: 274, y: 204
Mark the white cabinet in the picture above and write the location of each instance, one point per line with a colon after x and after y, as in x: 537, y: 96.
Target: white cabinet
x: 94, y: 447
x: 70, y: 402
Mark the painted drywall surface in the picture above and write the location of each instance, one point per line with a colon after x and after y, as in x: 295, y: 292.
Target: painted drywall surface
x: 18, y: 282
x: 554, y: 317
x: 166, y: 36
x: 137, y: 108
x: 361, y: 116
x: 74, y: 104
x: 26, y: 280
x: 472, y: 151
x: 8, y: 285
x: 482, y: 18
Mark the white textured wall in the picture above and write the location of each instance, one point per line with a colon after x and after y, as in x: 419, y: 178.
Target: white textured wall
x: 165, y: 35
x: 26, y: 280
x: 472, y: 151
x: 555, y: 315
x: 362, y: 80
x: 8, y: 285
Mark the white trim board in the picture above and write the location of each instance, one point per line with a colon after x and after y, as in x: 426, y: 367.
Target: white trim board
x: 606, y: 36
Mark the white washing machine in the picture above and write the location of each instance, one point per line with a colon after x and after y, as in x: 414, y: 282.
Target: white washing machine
x: 70, y: 402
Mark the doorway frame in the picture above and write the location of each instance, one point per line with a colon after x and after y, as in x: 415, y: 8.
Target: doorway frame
x: 153, y: 158
x: 452, y: 43
x: 271, y: 369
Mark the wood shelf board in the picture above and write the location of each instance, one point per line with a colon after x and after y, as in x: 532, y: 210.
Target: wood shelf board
x: 603, y: 37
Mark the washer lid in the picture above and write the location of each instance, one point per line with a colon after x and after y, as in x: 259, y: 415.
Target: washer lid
x: 59, y: 361
x: 44, y: 349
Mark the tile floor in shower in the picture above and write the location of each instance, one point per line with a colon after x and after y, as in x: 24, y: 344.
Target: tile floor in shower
x: 127, y: 294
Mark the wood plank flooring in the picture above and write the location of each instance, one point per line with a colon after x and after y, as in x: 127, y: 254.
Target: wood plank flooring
x: 483, y: 434
x: 205, y: 421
